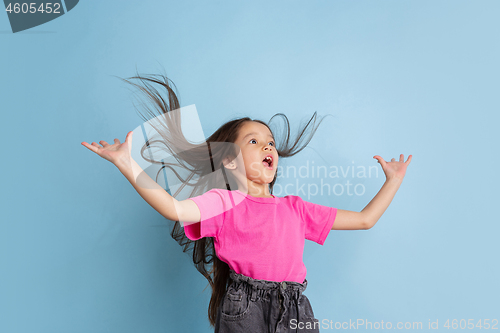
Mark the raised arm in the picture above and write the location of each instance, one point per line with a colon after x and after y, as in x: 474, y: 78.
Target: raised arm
x: 366, y: 219
x: 157, y: 197
x: 148, y: 189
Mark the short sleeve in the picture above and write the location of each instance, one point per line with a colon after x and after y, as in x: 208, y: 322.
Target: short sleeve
x: 212, y: 206
x: 318, y: 220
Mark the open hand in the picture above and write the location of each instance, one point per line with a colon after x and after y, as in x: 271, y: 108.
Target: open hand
x: 115, y: 153
x: 394, y: 169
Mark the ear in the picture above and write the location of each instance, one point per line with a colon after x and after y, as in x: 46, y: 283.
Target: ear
x: 229, y: 164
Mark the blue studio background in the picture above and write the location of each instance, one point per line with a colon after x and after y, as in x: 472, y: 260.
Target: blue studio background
x: 81, y: 251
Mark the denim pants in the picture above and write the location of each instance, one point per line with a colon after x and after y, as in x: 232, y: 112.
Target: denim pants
x: 260, y: 306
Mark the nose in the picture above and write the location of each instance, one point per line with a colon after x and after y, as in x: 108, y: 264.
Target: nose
x: 268, y: 148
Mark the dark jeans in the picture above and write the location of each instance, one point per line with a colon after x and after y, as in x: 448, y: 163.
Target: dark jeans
x: 260, y: 306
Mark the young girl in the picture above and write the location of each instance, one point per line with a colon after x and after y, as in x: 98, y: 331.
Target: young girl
x: 247, y: 242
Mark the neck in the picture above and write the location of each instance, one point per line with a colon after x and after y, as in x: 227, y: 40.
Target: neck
x: 256, y: 189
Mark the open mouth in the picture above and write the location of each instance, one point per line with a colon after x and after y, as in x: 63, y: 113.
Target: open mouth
x: 268, y: 162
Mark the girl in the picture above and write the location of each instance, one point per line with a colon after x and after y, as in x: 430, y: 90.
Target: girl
x: 247, y: 242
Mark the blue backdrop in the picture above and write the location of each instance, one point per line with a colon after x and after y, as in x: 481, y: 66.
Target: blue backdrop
x: 81, y: 251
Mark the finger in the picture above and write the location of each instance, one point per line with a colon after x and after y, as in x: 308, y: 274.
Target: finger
x: 96, y: 145
x: 408, y: 160
x: 90, y: 147
x: 104, y: 143
x: 401, y: 158
x: 380, y: 160
x: 128, y: 138
x: 393, y: 159
x: 117, y: 141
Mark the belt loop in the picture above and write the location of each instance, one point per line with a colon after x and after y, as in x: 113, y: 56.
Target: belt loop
x: 254, y: 294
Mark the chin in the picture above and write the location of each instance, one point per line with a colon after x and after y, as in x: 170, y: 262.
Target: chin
x: 269, y: 180
x: 262, y: 181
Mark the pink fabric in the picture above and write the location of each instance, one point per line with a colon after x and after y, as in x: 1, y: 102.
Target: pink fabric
x: 261, y: 237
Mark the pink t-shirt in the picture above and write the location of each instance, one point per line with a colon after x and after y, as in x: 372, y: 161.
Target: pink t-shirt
x: 261, y: 237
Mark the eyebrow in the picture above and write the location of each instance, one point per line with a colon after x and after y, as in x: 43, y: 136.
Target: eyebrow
x: 254, y: 133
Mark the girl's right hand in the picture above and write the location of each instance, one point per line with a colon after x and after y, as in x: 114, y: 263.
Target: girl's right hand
x: 116, y: 153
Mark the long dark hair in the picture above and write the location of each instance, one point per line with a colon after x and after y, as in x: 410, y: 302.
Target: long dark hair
x: 194, y: 159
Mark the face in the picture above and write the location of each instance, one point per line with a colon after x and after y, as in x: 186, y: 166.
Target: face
x: 260, y: 158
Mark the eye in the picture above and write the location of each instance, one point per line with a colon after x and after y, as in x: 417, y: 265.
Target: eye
x: 271, y: 143
x: 253, y: 140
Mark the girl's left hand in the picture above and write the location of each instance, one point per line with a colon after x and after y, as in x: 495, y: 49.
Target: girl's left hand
x: 394, y: 169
